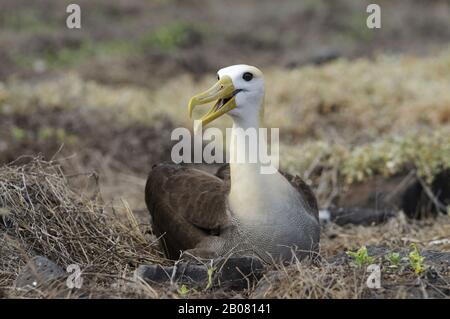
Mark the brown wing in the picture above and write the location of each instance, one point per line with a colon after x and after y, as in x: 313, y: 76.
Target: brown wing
x: 186, y: 206
x: 305, y: 191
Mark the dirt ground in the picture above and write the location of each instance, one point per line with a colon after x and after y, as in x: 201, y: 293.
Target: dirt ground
x: 84, y: 114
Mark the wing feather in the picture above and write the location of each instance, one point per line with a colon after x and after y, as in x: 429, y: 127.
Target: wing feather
x: 186, y: 205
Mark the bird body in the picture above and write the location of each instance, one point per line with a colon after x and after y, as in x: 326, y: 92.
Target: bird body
x: 246, y: 212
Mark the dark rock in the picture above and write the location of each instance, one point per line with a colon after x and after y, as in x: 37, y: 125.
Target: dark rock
x: 229, y: 273
x: 39, y: 270
x: 380, y: 197
x: 264, y: 284
x: 437, y: 257
x: 360, y: 216
x: 238, y: 272
x: 183, y: 272
x: 417, y: 201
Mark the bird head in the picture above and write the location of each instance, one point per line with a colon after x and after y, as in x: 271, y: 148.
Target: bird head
x: 239, y: 92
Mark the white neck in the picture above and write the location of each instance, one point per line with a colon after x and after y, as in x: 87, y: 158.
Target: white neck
x: 238, y: 149
x: 252, y: 194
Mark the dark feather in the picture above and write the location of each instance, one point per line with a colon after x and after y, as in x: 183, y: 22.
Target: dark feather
x: 187, y: 205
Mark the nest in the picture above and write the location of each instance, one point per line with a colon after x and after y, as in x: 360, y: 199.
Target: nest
x: 42, y: 215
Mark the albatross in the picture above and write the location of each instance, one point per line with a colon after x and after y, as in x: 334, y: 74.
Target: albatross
x: 239, y: 210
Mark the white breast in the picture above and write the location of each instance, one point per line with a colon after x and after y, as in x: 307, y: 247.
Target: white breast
x: 263, y: 199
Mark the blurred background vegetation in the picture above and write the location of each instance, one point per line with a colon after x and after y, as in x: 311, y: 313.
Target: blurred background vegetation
x: 349, y: 100
x: 148, y: 42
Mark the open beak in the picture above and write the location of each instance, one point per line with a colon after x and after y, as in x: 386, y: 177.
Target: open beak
x: 223, y: 93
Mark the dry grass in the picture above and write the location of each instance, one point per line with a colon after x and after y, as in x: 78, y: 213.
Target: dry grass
x: 363, y: 98
x: 45, y: 217
x: 339, y: 278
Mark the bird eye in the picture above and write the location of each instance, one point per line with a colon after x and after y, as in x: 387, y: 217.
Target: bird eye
x: 218, y: 77
x: 247, y: 76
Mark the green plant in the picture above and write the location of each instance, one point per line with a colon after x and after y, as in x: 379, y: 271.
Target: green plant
x: 361, y: 257
x: 86, y: 50
x: 354, y: 29
x: 183, y: 290
x: 59, y: 134
x: 211, y: 271
x: 26, y: 20
x: 18, y: 134
x: 416, y: 260
x: 394, y: 259
x: 170, y: 37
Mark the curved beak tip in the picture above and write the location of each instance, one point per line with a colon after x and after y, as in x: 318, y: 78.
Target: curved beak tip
x: 222, y: 89
x: 190, y: 108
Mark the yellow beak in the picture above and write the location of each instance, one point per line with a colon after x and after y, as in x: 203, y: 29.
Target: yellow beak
x: 222, y: 92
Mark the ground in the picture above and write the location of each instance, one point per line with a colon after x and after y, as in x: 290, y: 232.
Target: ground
x: 86, y: 113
